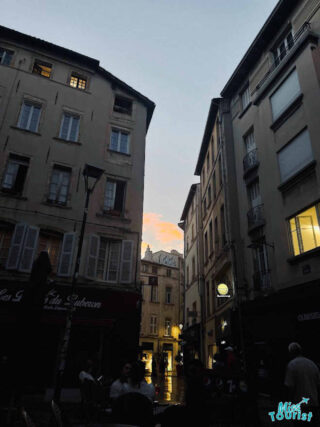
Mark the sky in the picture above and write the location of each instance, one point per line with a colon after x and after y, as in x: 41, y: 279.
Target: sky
x: 178, y: 53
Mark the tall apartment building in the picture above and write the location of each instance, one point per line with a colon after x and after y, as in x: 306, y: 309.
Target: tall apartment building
x: 273, y: 116
x: 190, y: 223
x: 60, y: 110
x: 161, y: 320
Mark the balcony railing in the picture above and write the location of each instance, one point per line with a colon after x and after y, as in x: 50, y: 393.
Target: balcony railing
x: 250, y: 161
x: 278, y: 59
x: 256, y: 217
x: 261, y: 280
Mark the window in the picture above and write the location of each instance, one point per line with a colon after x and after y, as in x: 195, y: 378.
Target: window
x: 261, y: 268
x: 168, y: 272
x: 50, y: 243
x: 114, y: 197
x: 154, y: 270
x: 108, y: 263
x: 254, y: 194
x: 223, y: 226
x: 122, y: 105
x: 5, y: 239
x: 249, y: 142
x: 295, y: 155
x: 5, y: 56
x: 305, y: 231
x: 210, y: 237
x: 29, y: 116
x: 167, y: 327
x: 216, y: 235
x: 153, y: 325
x: 245, y: 98
x: 169, y: 295
x: 59, y: 185
x: 119, y: 141
x: 283, y: 48
x: 78, y: 82
x: 205, y: 246
x: 286, y: 93
x: 42, y: 68
x: 144, y: 268
x: 193, y: 268
x: 15, y: 174
x: 69, y: 128
x: 154, y: 293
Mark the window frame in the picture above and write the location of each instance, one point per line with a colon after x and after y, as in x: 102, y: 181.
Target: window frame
x: 78, y: 76
x: 62, y: 169
x: 72, y: 116
x: 169, y: 292
x: 245, y: 97
x: 120, y: 133
x: 289, y: 102
x: 40, y: 62
x: 6, y: 52
x: 153, y: 324
x: 167, y: 327
x: 127, y: 112
x: 33, y: 105
x: 113, y: 211
x: 18, y: 160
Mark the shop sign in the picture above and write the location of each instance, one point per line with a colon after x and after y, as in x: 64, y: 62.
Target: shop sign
x: 308, y: 316
x: 223, y: 291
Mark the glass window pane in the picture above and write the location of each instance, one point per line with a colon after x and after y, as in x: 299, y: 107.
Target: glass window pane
x: 114, y: 140
x: 285, y: 94
x: 124, y: 143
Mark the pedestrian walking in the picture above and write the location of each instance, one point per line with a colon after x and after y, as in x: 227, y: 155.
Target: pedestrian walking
x: 302, y: 380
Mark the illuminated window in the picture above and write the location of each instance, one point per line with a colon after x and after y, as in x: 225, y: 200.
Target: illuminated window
x: 69, y: 128
x: 42, y: 68
x: 5, y: 56
x: 153, y: 325
x: 50, y: 243
x: 29, y: 116
x: 119, y: 141
x: 78, y: 82
x: 59, y: 185
x: 167, y: 327
x: 304, y: 230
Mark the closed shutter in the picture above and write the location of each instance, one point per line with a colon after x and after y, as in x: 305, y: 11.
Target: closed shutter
x: 94, y: 244
x: 29, y: 249
x: 126, y: 261
x: 113, y: 265
x: 16, y: 246
x: 66, y: 255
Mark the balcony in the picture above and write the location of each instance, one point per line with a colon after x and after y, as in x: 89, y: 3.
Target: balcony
x: 256, y: 218
x: 261, y: 280
x: 250, y: 161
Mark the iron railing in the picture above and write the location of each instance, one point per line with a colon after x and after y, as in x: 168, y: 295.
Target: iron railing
x: 256, y: 216
x: 278, y: 59
x: 250, y: 160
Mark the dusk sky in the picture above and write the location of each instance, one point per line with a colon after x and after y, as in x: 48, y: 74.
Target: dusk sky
x: 178, y: 53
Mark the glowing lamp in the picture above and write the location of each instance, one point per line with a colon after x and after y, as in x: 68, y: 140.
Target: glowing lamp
x: 223, y: 289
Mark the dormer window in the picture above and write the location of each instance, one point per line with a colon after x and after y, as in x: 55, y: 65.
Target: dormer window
x: 283, y: 48
x: 122, y: 105
x: 78, y: 82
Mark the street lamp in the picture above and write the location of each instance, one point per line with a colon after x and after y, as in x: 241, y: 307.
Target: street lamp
x: 91, y: 176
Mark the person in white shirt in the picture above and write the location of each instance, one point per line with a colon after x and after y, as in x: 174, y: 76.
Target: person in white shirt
x: 120, y: 386
x: 137, y: 383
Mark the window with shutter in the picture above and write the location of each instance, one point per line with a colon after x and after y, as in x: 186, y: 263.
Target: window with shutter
x: 66, y: 256
x: 126, y: 261
x: 94, y: 246
x: 29, y: 249
x: 16, y: 246
x: 29, y: 116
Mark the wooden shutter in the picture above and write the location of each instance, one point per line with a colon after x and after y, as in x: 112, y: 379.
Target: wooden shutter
x: 16, y: 246
x: 66, y: 255
x: 93, y: 252
x: 29, y: 249
x: 126, y: 261
x: 113, y: 264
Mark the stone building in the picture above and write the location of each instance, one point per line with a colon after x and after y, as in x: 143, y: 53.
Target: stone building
x: 161, y: 317
x: 60, y: 110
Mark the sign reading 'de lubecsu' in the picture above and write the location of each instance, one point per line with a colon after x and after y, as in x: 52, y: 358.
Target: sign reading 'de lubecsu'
x: 53, y: 300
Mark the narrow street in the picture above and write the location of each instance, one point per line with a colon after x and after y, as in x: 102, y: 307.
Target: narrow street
x: 169, y: 389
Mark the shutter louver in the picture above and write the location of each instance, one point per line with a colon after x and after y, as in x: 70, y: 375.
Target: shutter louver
x: 29, y: 249
x: 113, y: 267
x: 66, y: 255
x: 94, y: 243
x: 16, y: 246
x: 126, y: 261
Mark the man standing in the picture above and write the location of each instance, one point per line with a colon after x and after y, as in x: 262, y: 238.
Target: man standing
x: 302, y: 380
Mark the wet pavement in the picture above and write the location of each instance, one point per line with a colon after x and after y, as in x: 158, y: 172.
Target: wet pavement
x: 169, y: 389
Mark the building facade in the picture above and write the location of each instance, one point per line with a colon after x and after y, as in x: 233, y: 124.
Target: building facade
x: 60, y: 110
x: 162, y: 291
x: 273, y: 126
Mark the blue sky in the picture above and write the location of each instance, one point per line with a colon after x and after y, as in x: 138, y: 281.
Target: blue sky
x: 179, y: 53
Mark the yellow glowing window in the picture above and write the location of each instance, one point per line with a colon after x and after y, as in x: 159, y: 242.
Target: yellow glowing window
x: 42, y: 68
x: 304, y: 230
x: 78, y: 82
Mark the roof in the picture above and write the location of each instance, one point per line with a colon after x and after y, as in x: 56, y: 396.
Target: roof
x: 277, y: 18
x: 191, y: 194
x: 215, y: 102
x: 82, y: 60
